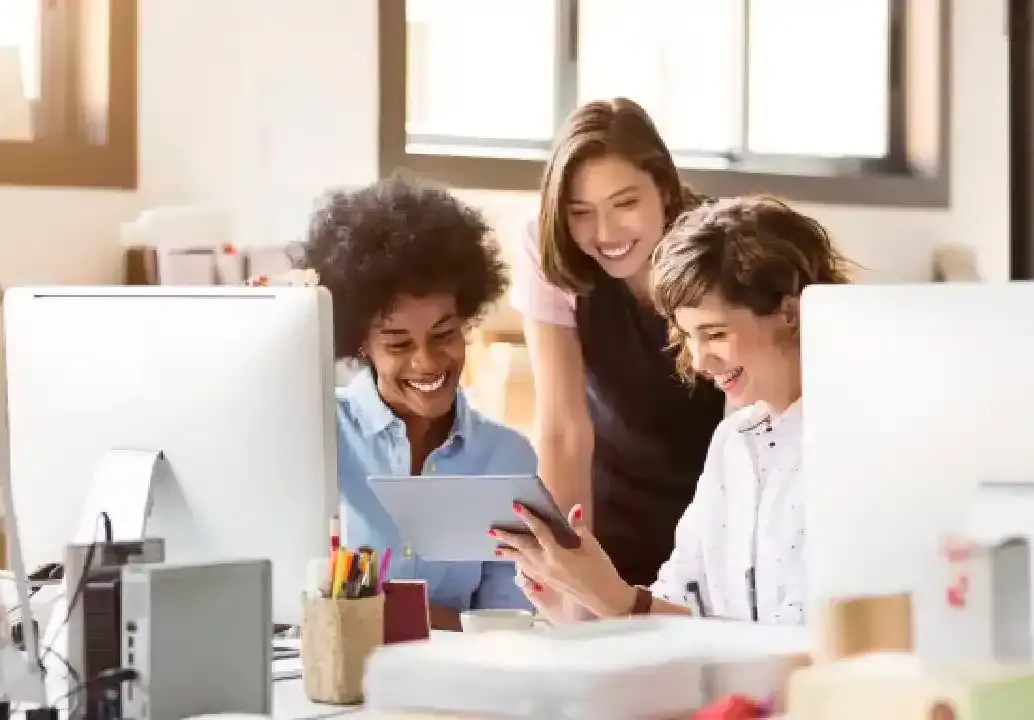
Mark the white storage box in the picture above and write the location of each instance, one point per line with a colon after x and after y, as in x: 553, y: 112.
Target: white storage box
x: 652, y: 666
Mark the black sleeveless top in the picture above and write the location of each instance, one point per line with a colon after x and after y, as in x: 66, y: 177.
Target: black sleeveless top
x: 651, y: 430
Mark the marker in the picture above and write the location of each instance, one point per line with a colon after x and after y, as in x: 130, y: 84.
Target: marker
x: 335, y: 534
x: 335, y: 545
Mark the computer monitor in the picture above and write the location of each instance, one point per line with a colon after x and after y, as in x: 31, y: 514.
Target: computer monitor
x: 234, y: 386
x: 912, y: 397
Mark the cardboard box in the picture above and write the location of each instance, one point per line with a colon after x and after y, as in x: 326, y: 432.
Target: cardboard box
x: 854, y: 626
x: 899, y: 686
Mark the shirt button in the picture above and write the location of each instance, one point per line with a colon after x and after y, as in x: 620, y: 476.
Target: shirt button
x: 771, y: 444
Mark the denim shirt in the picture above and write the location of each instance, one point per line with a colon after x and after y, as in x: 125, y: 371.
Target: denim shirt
x: 372, y: 441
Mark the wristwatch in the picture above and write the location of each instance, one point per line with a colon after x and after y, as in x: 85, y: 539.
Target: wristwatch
x: 643, y: 601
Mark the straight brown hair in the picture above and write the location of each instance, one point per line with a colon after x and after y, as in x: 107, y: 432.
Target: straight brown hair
x: 618, y: 128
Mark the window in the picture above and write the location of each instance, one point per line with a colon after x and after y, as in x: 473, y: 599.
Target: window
x: 817, y: 101
x: 68, y: 93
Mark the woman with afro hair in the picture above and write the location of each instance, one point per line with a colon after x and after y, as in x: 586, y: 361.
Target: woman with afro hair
x: 410, y: 268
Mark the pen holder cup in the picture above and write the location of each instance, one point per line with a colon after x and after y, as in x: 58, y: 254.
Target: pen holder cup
x: 337, y: 638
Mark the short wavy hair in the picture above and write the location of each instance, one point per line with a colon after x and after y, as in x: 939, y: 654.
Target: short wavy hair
x: 395, y: 238
x: 753, y: 251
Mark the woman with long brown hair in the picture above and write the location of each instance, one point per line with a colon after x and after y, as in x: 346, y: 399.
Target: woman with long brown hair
x: 617, y: 432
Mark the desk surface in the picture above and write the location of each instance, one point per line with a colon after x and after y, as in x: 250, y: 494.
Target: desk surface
x: 289, y: 699
x: 290, y: 703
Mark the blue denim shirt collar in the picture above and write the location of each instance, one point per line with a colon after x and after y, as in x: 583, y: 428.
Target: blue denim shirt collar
x: 375, y: 416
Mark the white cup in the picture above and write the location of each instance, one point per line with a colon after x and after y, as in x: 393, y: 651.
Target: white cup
x: 495, y: 619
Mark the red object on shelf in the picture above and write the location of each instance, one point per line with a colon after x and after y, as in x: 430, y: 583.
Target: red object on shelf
x: 733, y: 707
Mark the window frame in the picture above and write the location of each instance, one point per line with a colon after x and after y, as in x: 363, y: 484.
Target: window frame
x: 916, y: 173
x: 70, y: 161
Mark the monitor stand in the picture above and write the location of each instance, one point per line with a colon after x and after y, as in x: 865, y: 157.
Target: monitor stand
x: 122, y: 490
x: 1001, y: 520
x: 21, y: 677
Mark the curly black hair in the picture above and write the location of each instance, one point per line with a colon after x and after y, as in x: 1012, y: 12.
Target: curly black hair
x: 395, y: 238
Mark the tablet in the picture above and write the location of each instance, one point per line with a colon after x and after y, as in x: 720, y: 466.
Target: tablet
x: 447, y: 517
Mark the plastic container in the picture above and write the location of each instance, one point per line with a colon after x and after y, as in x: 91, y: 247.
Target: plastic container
x: 645, y: 667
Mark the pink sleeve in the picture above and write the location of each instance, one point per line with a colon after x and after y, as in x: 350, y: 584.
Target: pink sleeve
x: 531, y: 293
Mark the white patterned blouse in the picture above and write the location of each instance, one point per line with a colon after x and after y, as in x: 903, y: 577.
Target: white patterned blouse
x: 739, y: 547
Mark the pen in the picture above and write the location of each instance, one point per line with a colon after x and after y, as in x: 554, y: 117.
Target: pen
x: 382, y: 572
x: 752, y: 593
x: 693, y: 592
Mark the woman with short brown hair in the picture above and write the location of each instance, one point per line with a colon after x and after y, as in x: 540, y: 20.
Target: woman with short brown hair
x: 728, y: 278
x: 618, y: 433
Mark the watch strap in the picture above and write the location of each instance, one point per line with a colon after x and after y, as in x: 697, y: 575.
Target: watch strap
x: 643, y: 601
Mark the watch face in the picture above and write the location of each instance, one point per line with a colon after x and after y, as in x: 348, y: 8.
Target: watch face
x: 942, y: 710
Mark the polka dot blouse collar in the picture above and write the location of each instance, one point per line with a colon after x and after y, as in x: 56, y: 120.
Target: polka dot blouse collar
x: 761, y: 416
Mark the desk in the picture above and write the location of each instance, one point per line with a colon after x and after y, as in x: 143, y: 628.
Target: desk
x: 289, y: 700
x: 290, y: 703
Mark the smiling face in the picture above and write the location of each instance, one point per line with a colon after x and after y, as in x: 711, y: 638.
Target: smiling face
x: 750, y: 357
x: 615, y: 213
x: 418, y: 351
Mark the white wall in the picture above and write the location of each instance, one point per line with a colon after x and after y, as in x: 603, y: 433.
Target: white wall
x: 258, y: 109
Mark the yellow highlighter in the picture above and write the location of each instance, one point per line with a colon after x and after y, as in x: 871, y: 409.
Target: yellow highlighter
x: 339, y: 574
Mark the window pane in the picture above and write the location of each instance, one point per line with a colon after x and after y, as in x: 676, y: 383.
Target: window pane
x: 680, y: 59
x: 19, y: 67
x: 480, y: 69
x: 818, y: 77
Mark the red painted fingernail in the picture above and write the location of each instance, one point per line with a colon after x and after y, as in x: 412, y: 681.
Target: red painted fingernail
x: 498, y: 551
x: 492, y: 533
x: 577, y: 513
x: 518, y: 508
